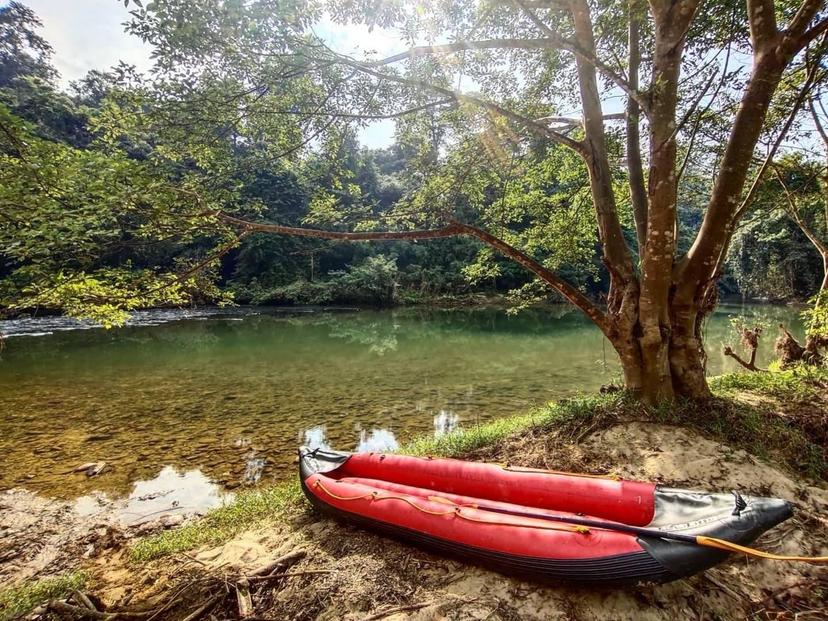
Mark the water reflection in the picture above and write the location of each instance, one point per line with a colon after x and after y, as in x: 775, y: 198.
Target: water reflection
x: 445, y: 422
x: 380, y: 337
x: 254, y: 469
x: 315, y: 438
x: 172, y: 492
x: 218, y: 397
x: 43, y: 326
x: 376, y: 441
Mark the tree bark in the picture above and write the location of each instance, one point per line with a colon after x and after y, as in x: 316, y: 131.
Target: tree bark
x: 638, y: 192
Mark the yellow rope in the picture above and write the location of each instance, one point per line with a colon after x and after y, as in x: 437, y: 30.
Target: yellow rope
x: 712, y: 542
x: 455, y: 511
x: 508, y: 468
x: 376, y: 496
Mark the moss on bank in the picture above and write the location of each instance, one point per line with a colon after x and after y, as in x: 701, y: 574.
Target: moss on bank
x: 755, y: 428
x: 25, y: 597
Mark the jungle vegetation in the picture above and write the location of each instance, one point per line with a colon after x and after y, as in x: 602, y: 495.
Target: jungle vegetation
x: 635, y: 160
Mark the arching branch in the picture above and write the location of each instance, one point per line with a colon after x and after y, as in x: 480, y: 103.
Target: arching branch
x: 572, y: 294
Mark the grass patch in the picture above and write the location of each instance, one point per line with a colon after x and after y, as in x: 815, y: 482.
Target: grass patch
x: 794, y: 383
x: 21, y: 599
x: 221, y: 524
x: 567, y: 417
x: 758, y: 431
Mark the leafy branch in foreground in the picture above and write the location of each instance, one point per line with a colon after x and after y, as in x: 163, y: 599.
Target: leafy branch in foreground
x: 66, y: 215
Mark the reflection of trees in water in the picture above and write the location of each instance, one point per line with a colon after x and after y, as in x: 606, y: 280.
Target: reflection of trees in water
x: 316, y: 438
x: 376, y: 440
x: 445, y: 422
x: 381, y: 331
x: 379, y: 336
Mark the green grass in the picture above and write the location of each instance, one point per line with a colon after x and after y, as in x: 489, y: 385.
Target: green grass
x: 221, y: 524
x: 742, y: 426
x: 566, y: 416
x: 21, y: 599
x: 794, y: 383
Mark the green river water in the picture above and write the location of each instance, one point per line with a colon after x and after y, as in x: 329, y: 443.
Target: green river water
x: 192, y: 403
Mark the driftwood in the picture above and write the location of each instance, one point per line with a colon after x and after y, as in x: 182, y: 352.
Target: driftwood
x: 790, y: 351
x: 283, y: 562
x: 64, y: 609
x: 310, y: 572
x: 201, y: 611
x: 750, y: 341
x: 245, y: 601
x: 390, y: 611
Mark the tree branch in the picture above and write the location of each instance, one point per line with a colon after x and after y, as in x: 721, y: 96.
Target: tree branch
x: 700, y: 115
x: 572, y: 294
x: 793, y: 212
x: 762, y: 22
x: 552, y: 41
x: 615, y: 249
x: 813, y: 33
x: 358, y: 115
x: 750, y: 341
x: 702, y: 261
x: 638, y: 191
x: 796, y: 36
x: 584, y: 54
x: 818, y: 122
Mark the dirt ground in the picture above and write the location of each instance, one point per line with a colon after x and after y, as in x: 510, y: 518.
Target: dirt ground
x: 348, y: 574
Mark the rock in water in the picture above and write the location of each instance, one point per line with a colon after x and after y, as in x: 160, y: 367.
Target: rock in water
x: 91, y: 469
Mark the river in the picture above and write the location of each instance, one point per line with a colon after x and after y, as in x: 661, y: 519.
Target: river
x: 192, y: 403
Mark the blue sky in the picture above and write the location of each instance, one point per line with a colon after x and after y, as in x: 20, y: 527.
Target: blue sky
x: 89, y: 34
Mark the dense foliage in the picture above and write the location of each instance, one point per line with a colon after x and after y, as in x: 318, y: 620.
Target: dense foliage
x: 113, y: 193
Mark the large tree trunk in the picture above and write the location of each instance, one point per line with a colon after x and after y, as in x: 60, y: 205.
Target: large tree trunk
x: 679, y: 367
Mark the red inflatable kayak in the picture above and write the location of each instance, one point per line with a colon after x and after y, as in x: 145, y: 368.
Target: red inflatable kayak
x: 535, y: 523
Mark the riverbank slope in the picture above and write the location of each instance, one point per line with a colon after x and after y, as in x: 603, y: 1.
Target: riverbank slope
x: 764, y: 434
